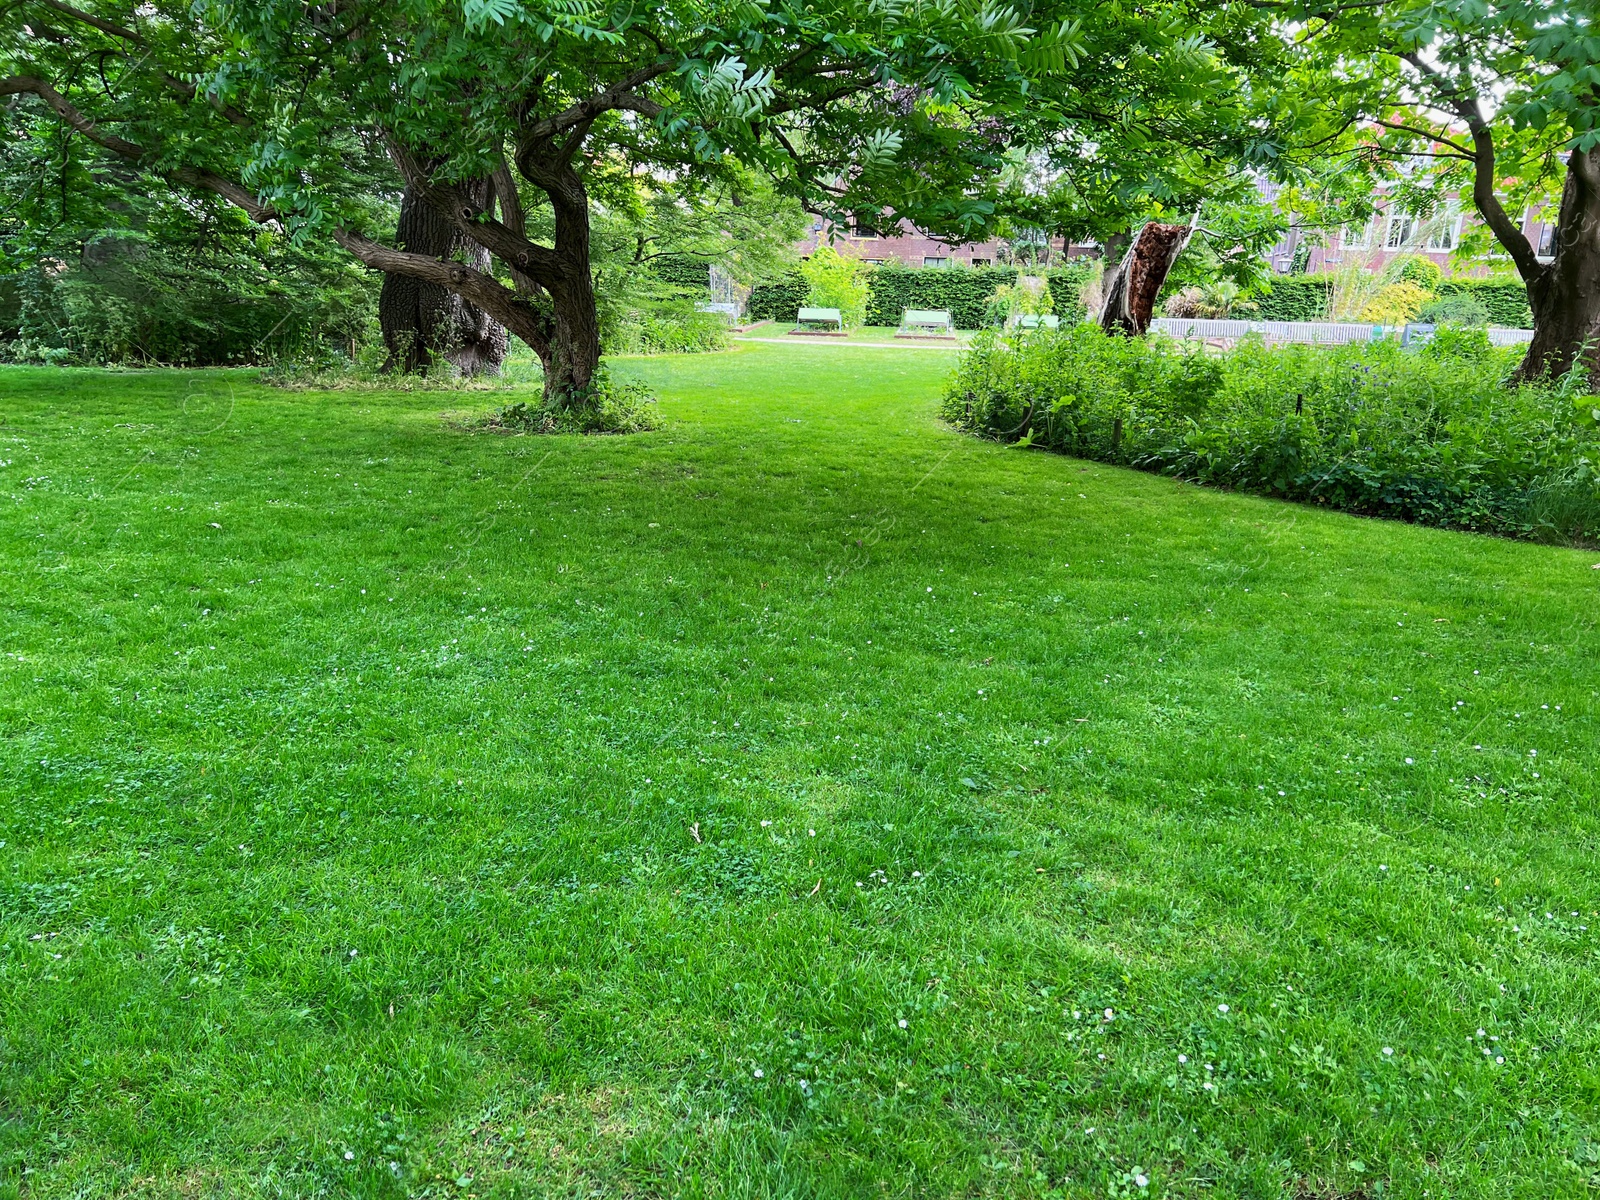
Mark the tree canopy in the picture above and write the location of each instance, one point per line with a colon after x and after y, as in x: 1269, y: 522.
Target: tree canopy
x: 901, y: 109
x: 1494, y: 100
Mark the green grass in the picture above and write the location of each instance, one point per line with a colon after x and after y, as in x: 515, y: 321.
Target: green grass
x: 385, y: 810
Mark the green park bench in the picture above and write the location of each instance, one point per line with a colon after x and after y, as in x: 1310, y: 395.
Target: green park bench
x: 1034, y: 321
x: 926, y: 322
x: 820, y: 317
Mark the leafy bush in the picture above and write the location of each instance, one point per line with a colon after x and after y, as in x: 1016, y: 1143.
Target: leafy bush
x: 1219, y: 300
x: 1396, y: 303
x: 1185, y: 303
x: 1462, y: 308
x: 1506, y: 299
x: 684, y: 271
x: 963, y: 291
x: 834, y: 281
x: 669, y: 327
x: 1070, y: 284
x: 1016, y: 300
x: 132, y: 300
x: 1430, y: 435
x: 1414, y: 268
x: 607, y: 407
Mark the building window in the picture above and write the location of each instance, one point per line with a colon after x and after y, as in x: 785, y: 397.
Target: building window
x: 980, y: 262
x: 1402, y: 232
x: 1547, y: 241
x: 1356, y: 237
x: 874, y: 262
x: 1444, y: 231
x: 932, y: 261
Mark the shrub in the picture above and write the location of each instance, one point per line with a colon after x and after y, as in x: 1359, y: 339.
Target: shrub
x: 131, y: 299
x: 1413, y: 268
x: 1183, y: 304
x: 834, y: 281
x: 1295, y: 298
x: 1396, y: 303
x: 1461, y: 308
x: 606, y: 407
x: 1069, y: 285
x: 1016, y: 300
x: 778, y: 299
x: 674, y: 327
x: 1506, y: 299
x: 1432, y: 436
x: 964, y: 292
x: 684, y: 271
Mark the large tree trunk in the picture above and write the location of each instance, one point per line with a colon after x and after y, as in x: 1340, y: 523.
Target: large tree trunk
x: 1565, y: 294
x: 1130, y: 291
x: 572, y: 358
x: 420, y: 319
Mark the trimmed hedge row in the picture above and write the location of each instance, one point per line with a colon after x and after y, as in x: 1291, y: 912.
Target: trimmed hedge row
x: 963, y: 291
x: 1295, y: 298
x: 777, y: 300
x: 1305, y: 298
x: 1506, y: 300
x: 682, y: 270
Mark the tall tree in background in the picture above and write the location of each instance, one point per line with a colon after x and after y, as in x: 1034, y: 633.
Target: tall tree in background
x: 1498, y: 99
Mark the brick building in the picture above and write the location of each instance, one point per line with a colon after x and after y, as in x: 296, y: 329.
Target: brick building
x: 911, y: 248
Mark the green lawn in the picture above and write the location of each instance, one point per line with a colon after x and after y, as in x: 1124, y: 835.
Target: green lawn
x: 803, y: 800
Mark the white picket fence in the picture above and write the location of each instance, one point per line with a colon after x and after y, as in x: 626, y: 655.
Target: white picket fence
x: 1327, y: 333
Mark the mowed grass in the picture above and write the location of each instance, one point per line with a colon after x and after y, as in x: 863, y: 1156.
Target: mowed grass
x: 803, y: 800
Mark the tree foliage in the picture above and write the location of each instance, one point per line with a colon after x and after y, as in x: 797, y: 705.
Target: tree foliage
x: 953, y: 115
x: 1492, y: 100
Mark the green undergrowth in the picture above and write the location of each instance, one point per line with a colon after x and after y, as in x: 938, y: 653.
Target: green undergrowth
x: 1432, y: 435
x: 799, y: 800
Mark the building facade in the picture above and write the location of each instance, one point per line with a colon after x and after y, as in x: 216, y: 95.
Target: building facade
x: 911, y: 248
x: 1371, y: 245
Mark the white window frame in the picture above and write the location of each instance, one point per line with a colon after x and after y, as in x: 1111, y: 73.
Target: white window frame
x: 1361, y: 240
x: 935, y: 262
x: 1449, y: 233
x: 1545, y: 244
x: 1401, y: 220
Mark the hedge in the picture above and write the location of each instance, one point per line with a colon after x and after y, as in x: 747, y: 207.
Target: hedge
x: 1305, y: 298
x: 1066, y: 284
x: 1294, y: 298
x: 1506, y: 299
x: 963, y: 291
x: 683, y: 270
x: 777, y: 300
